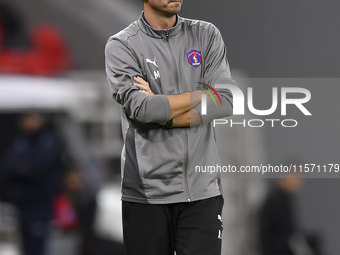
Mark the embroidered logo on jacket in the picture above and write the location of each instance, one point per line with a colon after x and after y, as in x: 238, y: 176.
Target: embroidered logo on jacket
x: 194, y: 58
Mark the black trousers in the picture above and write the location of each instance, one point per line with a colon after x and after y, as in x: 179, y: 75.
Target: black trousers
x: 191, y: 228
x: 34, y: 229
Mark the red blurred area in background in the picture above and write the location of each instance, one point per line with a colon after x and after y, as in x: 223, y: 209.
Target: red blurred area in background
x: 64, y: 213
x: 48, y: 54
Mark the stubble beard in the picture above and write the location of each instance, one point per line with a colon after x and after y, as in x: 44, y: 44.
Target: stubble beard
x: 169, y: 12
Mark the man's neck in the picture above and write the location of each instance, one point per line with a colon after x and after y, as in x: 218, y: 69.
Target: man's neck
x: 158, y: 21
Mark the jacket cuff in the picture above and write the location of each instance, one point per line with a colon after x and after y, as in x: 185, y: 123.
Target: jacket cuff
x: 159, y: 108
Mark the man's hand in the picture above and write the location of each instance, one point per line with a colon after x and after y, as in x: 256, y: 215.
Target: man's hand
x: 144, y: 85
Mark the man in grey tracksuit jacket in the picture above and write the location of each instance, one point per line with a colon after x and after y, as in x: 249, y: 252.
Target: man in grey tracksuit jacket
x: 158, y: 162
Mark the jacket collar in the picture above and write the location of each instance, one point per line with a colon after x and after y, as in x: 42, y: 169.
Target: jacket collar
x: 159, y: 33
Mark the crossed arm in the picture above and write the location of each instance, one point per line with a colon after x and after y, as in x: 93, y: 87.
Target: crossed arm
x: 182, y: 106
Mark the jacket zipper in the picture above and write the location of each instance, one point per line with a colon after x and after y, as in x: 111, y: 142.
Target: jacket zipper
x: 186, y: 131
x: 186, y: 139
x: 173, y: 60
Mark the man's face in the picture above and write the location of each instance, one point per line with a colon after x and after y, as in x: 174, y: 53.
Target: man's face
x: 31, y: 123
x: 291, y: 184
x: 167, y: 8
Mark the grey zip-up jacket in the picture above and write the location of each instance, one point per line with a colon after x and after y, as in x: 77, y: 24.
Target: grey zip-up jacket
x: 160, y: 165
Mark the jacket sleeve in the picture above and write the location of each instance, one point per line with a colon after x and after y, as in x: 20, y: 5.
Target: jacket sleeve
x: 121, y: 67
x: 217, y: 72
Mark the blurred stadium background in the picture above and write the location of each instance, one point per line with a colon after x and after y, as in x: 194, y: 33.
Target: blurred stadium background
x: 52, y: 62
